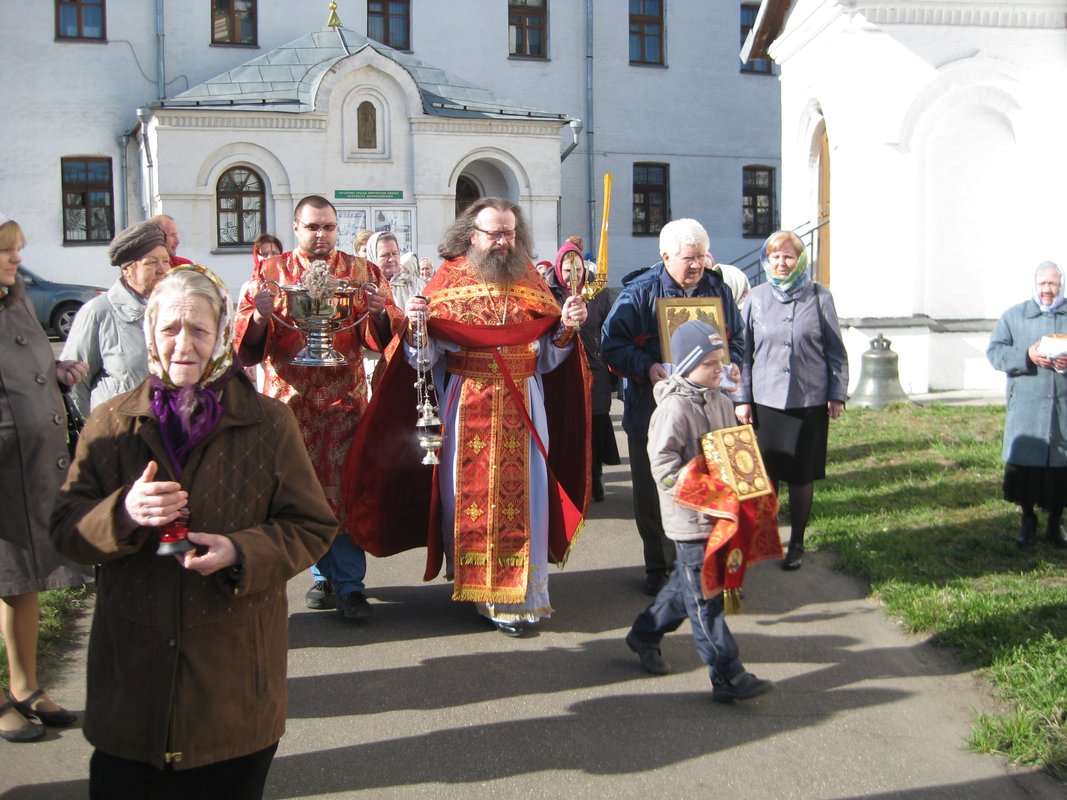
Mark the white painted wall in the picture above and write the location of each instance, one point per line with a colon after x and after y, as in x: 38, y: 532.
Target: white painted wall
x: 945, y: 173
x: 699, y: 114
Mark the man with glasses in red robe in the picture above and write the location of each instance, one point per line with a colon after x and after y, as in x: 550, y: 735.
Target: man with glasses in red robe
x: 512, y: 386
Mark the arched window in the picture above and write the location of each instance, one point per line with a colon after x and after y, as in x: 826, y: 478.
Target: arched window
x: 240, y: 203
x: 466, y: 193
x: 367, y: 126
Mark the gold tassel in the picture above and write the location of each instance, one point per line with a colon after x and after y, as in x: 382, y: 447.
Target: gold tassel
x: 731, y: 600
x: 574, y: 540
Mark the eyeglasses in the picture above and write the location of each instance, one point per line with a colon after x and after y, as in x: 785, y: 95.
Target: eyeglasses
x: 497, y: 235
x: 329, y: 227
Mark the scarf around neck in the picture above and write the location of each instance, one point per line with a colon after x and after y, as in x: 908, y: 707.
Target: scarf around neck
x: 787, y: 288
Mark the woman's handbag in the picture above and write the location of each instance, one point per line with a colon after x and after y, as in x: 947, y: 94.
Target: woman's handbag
x: 75, y: 423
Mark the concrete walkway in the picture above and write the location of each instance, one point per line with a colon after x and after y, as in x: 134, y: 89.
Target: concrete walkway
x: 427, y: 701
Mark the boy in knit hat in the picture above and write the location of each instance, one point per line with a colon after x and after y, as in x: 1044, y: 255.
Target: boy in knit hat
x: 689, y: 404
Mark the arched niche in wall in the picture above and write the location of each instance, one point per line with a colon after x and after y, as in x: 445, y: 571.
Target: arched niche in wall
x: 494, y: 173
x: 365, y: 125
x: 272, y: 175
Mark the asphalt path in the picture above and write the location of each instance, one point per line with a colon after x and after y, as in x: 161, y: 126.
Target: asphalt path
x: 426, y: 700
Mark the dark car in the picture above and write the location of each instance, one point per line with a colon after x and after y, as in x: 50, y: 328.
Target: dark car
x: 56, y: 303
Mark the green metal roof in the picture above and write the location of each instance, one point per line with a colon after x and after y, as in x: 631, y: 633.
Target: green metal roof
x: 287, y: 78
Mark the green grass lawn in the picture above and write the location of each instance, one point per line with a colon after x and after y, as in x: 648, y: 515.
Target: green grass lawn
x: 60, y: 609
x: 912, y: 502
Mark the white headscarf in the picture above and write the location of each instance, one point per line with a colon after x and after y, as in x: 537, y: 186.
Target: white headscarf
x: 1048, y: 266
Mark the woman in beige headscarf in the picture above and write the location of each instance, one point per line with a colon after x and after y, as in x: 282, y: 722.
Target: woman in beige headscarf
x: 187, y: 652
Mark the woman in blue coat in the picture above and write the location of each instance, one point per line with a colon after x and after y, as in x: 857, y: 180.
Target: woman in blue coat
x: 1029, y: 343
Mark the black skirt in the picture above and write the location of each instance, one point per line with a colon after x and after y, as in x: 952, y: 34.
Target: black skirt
x: 792, y: 442
x: 1045, y: 487
x: 605, y: 449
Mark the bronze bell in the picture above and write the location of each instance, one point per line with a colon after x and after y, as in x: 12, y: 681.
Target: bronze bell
x: 879, y: 383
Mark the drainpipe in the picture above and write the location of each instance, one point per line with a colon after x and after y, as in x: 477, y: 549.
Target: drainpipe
x: 590, y: 180
x: 161, y: 63
x: 145, y: 115
x: 124, y: 213
x: 576, y: 128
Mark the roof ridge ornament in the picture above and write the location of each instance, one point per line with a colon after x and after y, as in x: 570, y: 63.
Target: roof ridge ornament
x: 334, y: 21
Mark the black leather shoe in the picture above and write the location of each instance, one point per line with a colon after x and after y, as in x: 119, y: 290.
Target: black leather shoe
x: 60, y: 718
x: 743, y: 687
x: 794, y: 558
x: 1056, y: 534
x: 598, y: 490
x: 320, y: 596
x: 30, y: 732
x: 651, y: 656
x: 654, y: 581
x: 354, y: 605
x: 1027, y: 529
x: 512, y: 629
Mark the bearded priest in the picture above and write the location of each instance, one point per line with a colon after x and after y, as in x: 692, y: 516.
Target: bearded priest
x: 512, y: 385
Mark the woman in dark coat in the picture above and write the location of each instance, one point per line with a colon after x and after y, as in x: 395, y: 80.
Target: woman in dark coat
x: 33, y: 463
x: 187, y: 655
x: 1029, y: 343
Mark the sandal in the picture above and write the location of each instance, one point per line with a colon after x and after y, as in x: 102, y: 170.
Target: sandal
x: 53, y: 719
x: 27, y: 733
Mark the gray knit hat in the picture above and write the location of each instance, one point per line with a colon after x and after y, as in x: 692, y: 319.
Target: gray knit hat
x: 691, y: 343
x: 135, y: 242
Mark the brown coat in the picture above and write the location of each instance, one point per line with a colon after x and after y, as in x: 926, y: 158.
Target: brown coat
x: 33, y: 454
x: 186, y: 669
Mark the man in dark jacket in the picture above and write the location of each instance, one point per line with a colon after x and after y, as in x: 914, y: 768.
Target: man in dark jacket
x: 631, y: 347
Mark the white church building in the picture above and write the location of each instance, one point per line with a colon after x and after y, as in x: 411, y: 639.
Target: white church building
x: 223, y: 114
x: 927, y: 136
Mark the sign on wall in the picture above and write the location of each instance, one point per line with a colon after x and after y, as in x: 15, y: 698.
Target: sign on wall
x: 399, y: 220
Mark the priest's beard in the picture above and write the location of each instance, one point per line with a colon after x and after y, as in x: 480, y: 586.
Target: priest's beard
x: 504, y: 267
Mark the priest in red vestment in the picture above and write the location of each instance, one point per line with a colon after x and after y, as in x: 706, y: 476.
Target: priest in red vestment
x: 512, y: 385
x: 328, y: 401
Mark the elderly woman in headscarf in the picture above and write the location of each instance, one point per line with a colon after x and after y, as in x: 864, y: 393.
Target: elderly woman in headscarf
x: 569, y: 262
x: 106, y: 333
x: 794, y: 377
x: 1029, y: 343
x: 187, y: 655
x: 735, y: 278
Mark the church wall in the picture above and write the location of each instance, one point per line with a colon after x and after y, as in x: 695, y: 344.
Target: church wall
x: 941, y: 160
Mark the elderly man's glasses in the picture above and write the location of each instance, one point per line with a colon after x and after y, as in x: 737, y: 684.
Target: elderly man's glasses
x: 329, y: 227
x: 497, y: 235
